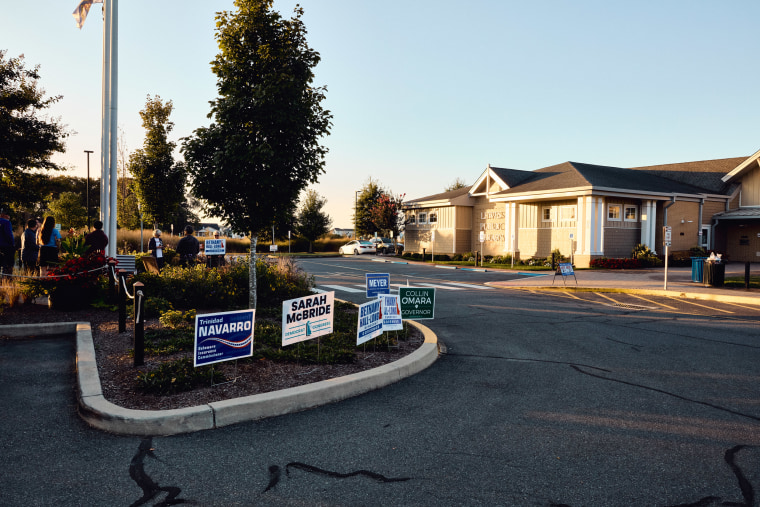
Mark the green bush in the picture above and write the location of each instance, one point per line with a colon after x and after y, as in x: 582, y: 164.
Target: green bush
x: 176, y: 376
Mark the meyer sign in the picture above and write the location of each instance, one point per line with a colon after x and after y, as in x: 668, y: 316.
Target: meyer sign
x: 223, y: 336
x: 378, y: 283
x: 417, y: 303
x: 307, y: 317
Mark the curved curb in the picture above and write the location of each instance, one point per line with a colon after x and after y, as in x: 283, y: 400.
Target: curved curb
x: 104, y: 415
x: 725, y: 298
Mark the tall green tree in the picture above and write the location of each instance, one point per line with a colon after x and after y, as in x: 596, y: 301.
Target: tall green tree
x: 69, y: 210
x: 368, y: 196
x: 456, y: 185
x: 262, y: 147
x: 312, y: 221
x: 158, y: 180
x: 386, y: 215
x: 28, y: 138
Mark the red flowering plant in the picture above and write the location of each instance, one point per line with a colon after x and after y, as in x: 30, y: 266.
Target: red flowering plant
x: 78, y: 270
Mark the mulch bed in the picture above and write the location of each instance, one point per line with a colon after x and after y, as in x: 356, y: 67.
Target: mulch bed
x: 117, y: 372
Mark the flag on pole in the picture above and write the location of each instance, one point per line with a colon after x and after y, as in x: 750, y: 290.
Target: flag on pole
x: 80, y: 13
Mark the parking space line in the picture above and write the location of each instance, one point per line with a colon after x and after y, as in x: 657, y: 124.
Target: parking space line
x: 607, y: 298
x: 741, y: 306
x: 703, y: 306
x: 341, y: 287
x: 654, y: 302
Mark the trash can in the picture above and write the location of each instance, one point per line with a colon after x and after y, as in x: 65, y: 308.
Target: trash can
x: 715, y: 273
x: 697, y: 269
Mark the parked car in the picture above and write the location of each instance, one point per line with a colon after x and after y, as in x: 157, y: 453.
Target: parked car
x: 383, y: 245
x: 357, y: 247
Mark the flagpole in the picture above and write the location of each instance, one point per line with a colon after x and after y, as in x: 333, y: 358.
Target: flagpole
x: 105, y: 152
x: 114, y: 131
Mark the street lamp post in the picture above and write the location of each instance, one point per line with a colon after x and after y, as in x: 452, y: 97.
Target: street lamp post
x: 356, y: 214
x: 88, y: 188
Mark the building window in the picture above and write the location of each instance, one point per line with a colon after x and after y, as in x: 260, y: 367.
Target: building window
x: 412, y: 219
x: 613, y: 212
x: 546, y: 214
x: 567, y: 213
x: 422, y: 218
x: 433, y: 218
x: 631, y: 213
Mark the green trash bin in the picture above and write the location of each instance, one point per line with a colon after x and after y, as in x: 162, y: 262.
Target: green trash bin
x: 715, y: 273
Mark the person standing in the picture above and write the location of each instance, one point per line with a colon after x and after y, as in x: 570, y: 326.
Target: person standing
x: 7, y: 244
x: 187, y: 247
x: 49, y: 240
x: 97, y: 241
x: 156, y: 248
x: 29, y: 248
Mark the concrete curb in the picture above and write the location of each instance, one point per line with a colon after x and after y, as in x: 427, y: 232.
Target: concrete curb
x: 725, y: 298
x: 104, y: 415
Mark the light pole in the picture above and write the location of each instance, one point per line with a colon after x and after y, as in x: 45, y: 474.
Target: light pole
x: 88, y: 188
x: 356, y: 214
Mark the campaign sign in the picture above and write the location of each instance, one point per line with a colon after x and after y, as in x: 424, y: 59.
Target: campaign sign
x: 378, y: 283
x: 417, y: 303
x: 307, y: 317
x: 391, y: 313
x: 566, y: 269
x: 215, y: 247
x: 370, y: 321
x: 223, y: 336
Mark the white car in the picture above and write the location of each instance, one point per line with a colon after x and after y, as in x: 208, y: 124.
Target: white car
x: 357, y: 247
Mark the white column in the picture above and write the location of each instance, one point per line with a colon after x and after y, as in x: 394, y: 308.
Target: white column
x: 513, y: 228
x: 579, y: 221
x: 645, y: 212
x: 601, y: 217
x: 653, y: 227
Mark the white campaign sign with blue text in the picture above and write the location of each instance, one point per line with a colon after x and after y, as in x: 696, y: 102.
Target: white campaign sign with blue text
x: 370, y: 323
x: 307, y: 317
x: 215, y: 247
x: 391, y: 313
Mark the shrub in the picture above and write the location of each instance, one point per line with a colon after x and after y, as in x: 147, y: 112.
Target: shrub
x: 606, y: 263
x: 175, y: 319
x: 456, y: 257
x: 441, y: 257
x: 176, y: 376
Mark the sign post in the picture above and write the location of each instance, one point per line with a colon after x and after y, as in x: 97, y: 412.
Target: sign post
x: 667, y: 235
x: 417, y: 303
x: 432, y: 246
x: 482, y: 240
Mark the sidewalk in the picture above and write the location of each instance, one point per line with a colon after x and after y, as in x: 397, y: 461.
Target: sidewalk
x: 639, y: 281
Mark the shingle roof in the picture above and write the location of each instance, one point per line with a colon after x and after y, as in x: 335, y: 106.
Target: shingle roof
x: 444, y: 195
x: 512, y: 177
x: 739, y: 213
x: 576, y: 174
x: 705, y: 174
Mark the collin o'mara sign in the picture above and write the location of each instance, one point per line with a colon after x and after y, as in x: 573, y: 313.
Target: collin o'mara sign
x: 223, y: 336
x: 417, y: 302
x: 307, y: 317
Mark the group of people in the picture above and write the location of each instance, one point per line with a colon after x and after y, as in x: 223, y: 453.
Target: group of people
x: 40, y: 243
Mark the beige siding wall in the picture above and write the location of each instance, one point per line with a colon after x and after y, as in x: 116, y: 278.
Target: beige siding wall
x: 546, y: 226
x: 685, y: 235
x: 711, y: 208
x: 751, y: 188
x: 489, y: 218
x: 743, y: 243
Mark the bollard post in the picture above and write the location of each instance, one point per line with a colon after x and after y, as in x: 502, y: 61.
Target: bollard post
x: 112, y: 280
x: 139, y: 337
x: 746, y: 275
x: 122, y: 299
x: 554, y: 265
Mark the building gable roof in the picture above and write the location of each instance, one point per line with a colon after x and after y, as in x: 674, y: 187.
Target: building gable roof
x: 443, y: 196
x: 743, y: 167
x: 707, y: 174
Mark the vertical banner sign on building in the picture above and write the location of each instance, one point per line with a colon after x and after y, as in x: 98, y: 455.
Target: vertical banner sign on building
x: 307, y: 317
x: 417, y: 303
x: 370, y: 321
x: 391, y: 313
x: 223, y: 336
x: 378, y: 283
x: 215, y: 247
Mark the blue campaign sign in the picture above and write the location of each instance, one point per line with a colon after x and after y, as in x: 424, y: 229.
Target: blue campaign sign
x: 223, y: 336
x: 378, y: 283
x: 215, y: 246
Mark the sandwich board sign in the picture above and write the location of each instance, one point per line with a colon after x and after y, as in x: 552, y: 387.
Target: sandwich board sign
x: 223, y: 336
x: 378, y: 283
x: 307, y: 317
x: 370, y: 323
x: 417, y: 303
x: 391, y: 313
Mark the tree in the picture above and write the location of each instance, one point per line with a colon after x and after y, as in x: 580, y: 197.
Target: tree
x: 386, y: 214
x: 27, y: 139
x: 456, y: 185
x: 262, y: 147
x: 312, y: 221
x: 68, y: 210
x: 159, y: 181
x: 363, y: 224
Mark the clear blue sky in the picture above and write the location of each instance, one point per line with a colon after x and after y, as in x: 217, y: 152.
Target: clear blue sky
x: 426, y: 91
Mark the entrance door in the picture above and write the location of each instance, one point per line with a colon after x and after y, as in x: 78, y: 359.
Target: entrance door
x: 704, y: 237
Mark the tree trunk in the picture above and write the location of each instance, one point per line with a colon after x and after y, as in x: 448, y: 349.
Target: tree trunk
x: 252, y: 273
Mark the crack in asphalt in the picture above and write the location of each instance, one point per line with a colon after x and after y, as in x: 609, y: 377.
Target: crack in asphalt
x: 275, y: 474
x: 668, y: 393
x: 528, y: 360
